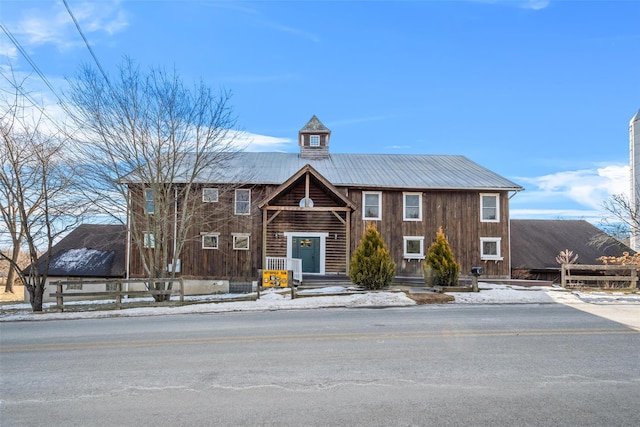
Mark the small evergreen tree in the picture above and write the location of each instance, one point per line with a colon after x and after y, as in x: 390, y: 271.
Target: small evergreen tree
x: 371, y: 265
x: 441, y: 268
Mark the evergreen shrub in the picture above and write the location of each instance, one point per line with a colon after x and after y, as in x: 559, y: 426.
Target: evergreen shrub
x: 371, y: 265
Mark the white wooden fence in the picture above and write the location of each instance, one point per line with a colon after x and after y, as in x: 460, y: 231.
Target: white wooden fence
x: 281, y: 263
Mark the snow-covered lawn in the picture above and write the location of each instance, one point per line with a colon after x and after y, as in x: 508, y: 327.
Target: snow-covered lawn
x: 281, y: 300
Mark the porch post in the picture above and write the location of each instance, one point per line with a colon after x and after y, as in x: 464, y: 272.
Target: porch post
x: 264, y: 237
x: 348, y: 240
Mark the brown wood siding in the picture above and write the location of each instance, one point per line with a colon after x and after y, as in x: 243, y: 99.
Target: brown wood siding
x: 310, y: 222
x: 317, y: 194
x: 458, y: 212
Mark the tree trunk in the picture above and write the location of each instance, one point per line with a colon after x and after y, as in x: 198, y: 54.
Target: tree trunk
x: 8, y: 287
x: 35, y: 297
x: 161, y: 286
x: 11, y: 275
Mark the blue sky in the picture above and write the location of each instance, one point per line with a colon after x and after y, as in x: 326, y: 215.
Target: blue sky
x: 539, y: 91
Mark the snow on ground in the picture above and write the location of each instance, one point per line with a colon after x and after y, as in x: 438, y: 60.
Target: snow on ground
x: 625, y: 307
x: 504, y: 294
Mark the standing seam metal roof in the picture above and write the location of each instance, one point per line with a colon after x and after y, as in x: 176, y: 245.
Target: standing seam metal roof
x: 362, y: 170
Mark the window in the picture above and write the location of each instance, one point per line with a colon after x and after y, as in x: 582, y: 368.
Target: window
x: 490, y: 248
x: 413, y: 247
x: 412, y: 206
x: 314, y: 141
x: 149, y: 240
x: 241, y: 242
x: 74, y: 286
x: 148, y: 201
x: 372, y: 205
x: 306, y: 202
x: 489, y: 208
x: 209, y: 195
x: 243, y: 202
x: 210, y: 240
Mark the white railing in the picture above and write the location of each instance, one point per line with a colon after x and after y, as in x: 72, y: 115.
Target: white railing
x: 280, y: 263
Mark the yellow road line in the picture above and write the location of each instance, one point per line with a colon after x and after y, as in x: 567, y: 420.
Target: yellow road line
x: 256, y: 339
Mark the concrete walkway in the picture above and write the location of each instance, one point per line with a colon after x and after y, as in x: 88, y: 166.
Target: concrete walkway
x: 625, y: 313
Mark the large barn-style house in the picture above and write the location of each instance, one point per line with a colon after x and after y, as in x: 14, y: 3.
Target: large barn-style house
x: 314, y: 205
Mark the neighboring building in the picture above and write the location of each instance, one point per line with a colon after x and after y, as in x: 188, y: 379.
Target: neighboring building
x: 634, y: 156
x: 91, y: 251
x: 314, y: 205
x: 536, y: 243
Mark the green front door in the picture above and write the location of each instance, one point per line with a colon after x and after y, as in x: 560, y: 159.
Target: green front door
x: 308, y: 250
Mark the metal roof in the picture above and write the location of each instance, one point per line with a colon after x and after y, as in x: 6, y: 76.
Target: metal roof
x: 535, y: 243
x: 91, y: 250
x: 406, y: 171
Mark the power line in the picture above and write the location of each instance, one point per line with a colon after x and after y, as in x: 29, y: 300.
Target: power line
x: 21, y: 89
x: 86, y: 42
x: 30, y: 61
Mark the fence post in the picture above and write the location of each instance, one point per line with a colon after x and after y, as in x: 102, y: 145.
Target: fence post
x: 59, y: 300
x: 119, y: 294
x: 181, y: 291
x: 634, y: 278
x: 563, y: 278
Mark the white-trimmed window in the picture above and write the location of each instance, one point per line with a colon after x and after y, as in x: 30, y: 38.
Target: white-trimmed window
x: 412, y: 206
x: 243, y: 201
x: 148, y: 240
x: 149, y: 205
x: 210, y: 240
x: 314, y: 141
x: 413, y: 247
x: 372, y: 205
x: 241, y: 242
x: 489, y: 207
x: 209, y: 195
x: 490, y: 248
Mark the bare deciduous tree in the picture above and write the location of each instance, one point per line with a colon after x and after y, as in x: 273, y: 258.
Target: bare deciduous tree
x: 148, y: 139
x: 37, y: 203
x: 624, y: 216
x: 566, y: 257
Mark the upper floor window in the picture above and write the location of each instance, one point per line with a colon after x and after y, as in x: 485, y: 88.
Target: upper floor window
x: 243, y: 201
x: 372, y: 205
x: 490, y: 248
x: 210, y: 240
x: 149, y: 204
x: 148, y: 240
x: 413, y: 247
x: 314, y: 141
x: 489, y: 207
x: 241, y: 242
x: 412, y: 206
x: 209, y: 195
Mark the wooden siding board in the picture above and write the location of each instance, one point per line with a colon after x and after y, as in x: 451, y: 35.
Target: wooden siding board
x: 458, y: 212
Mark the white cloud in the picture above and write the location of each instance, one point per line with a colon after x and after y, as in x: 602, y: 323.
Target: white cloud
x: 586, y: 187
x: 54, y: 26
x: 578, y: 194
x: 254, y: 142
x: 7, y: 49
x: 523, y: 4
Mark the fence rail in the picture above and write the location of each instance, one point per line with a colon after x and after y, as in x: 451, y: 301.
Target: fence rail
x: 610, y: 276
x: 117, y: 293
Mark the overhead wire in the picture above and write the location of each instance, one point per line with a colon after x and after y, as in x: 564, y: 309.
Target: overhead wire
x: 21, y: 89
x: 86, y: 42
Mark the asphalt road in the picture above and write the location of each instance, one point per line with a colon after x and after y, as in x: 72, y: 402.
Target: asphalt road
x: 542, y: 365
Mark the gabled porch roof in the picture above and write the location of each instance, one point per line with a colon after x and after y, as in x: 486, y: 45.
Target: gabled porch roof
x: 307, y: 172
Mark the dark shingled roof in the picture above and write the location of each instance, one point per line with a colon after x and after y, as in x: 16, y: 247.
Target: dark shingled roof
x: 91, y: 250
x: 536, y: 243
